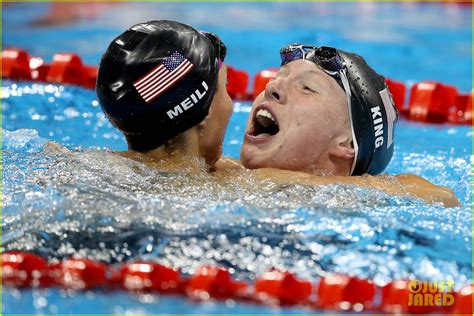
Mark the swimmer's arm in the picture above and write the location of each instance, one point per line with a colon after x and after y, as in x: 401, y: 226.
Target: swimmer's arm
x: 227, y: 163
x: 401, y: 185
x: 56, y: 148
x: 425, y: 190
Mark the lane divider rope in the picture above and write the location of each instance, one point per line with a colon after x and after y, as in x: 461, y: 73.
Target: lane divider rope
x: 428, y: 101
x: 329, y: 293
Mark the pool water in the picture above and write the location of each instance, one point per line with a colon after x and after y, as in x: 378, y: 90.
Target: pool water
x: 86, y: 201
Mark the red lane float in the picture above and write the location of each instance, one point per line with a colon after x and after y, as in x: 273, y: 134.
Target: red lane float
x: 80, y: 274
x: 395, y: 297
x: 284, y: 287
x: 463, y: 301
x: 237, y: 82
x: 215, y: 282
x: 39, y: 70
x: 359, y: 294
x: 330, y: 291
x: 336, y: 292
x: 346, y: 293
x: 468, y: 111
x: 432, y: 102
x: 21, y: 269
x: 15, y: 64
x: 462, y: 114
x: 66, y: 68
x: 90, y: 76
x: 261, y: 80
x: 139, y: 276
x: 398, y: 91
x: 429, y: 101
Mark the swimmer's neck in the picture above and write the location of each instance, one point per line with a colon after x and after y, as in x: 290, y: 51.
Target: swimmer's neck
x: 185, y: 144
x: 182, y: 151
x: 166, y: 152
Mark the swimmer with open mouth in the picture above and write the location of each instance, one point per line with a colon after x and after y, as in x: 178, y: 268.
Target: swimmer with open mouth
x: 325, y: 112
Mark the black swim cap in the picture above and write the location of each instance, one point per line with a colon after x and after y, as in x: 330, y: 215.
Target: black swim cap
x: 157, y: 80
x: 373, y: 116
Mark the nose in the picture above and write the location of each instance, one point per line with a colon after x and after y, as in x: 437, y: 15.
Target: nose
x: 275, y: 90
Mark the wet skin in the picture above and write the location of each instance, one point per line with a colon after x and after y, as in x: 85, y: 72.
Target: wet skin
x: 300, y: 123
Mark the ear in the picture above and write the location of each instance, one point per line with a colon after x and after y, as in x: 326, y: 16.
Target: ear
x: 203, y: 123
x: 343, y: 148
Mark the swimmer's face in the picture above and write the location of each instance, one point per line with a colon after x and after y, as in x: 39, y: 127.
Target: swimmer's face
x: 300, y: 122
x: 213, y: 128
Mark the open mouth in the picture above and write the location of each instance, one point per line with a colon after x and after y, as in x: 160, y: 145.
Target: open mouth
x: 264, y: 124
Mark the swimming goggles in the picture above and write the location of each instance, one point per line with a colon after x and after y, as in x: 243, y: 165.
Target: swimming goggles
x: 218, y: 44
x: 326, y: 58
x: 329, y: 60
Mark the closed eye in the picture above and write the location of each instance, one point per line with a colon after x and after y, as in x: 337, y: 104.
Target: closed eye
x: 309, y: 89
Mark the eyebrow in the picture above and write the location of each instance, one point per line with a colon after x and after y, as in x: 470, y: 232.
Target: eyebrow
x: 284, y: 69
x: 310, y: 73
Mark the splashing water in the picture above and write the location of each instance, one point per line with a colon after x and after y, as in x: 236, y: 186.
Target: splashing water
x: 97, y: 204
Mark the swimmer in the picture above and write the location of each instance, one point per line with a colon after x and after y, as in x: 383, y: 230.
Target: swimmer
x: 327, y: 113
x: 163, y: 85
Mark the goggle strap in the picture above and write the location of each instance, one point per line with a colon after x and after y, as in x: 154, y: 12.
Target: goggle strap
x: 345, y: 84
x: 302, y: 50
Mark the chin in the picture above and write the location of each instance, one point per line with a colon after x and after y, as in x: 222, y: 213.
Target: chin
x: 249, y: 159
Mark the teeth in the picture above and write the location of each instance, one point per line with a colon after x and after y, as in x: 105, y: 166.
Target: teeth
x: 265, y: 113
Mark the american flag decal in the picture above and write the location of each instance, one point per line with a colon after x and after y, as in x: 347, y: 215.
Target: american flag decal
x: 163, y: 76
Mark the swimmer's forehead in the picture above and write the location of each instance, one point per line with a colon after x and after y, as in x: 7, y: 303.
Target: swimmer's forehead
x: 306, y: 70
